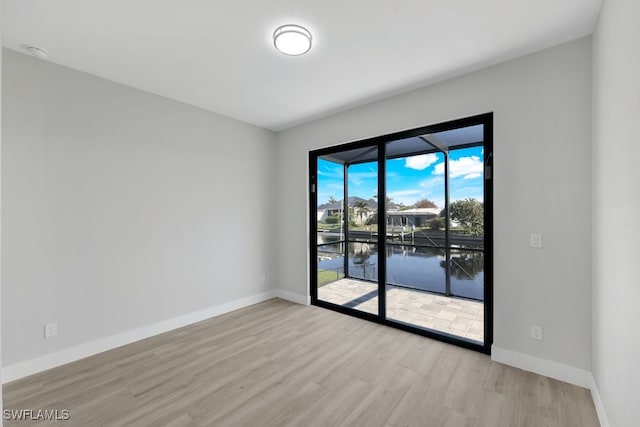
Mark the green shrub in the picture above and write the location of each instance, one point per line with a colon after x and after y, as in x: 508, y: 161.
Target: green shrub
x: 436, y: 223
x: 333, y: 219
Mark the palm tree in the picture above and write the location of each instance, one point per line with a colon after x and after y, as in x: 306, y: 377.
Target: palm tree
x: 362, y: 209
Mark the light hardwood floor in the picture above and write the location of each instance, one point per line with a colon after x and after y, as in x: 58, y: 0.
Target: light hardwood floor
x: 283, y: 364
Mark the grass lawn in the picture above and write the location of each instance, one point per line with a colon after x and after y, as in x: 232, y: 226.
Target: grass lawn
x: 328, y: 276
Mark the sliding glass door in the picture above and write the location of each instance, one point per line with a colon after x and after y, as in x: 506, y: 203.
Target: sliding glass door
x: 401, y: 230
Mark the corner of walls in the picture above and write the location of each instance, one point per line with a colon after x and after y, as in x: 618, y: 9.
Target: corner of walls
x: 292, y: 221
x: 1, y: 404
x: 597, y: 402
x: 269, y: 245
x: 595, y: 199
x: 555, y: 370
x: 293, y: 297
x: 538, y: 365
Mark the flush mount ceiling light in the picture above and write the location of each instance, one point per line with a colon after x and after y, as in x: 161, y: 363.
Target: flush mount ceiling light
x: 292, y: 39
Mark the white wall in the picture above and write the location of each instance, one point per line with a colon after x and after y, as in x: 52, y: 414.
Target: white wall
x: 542, y: 106
x: 122, y: 208
x: 616, y: 210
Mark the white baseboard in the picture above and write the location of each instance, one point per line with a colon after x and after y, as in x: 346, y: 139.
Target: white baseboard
x: 548, y: 368
x: 290, y: 296
x: 597, y: 401
x: 68, y: 355
x: 556, y: 370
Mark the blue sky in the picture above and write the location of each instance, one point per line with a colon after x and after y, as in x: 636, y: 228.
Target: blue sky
x: 408, y: 179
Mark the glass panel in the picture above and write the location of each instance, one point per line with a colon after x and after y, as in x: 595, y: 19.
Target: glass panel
x: 347, y: 266
x: 415, y: 196
x: 435, y: 270
x: 330, y: 222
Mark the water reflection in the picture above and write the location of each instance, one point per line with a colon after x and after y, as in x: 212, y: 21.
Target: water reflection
x: 361, y: 252
x: 465, y: 265
x: 407, y: 265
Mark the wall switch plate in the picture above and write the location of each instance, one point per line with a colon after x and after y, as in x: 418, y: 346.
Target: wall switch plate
x: 536, y: 332
x: 50, y: 330
x: 536, y: 240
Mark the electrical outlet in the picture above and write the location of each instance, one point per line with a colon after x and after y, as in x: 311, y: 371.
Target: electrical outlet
x: 536, y: 332
x: 50, y: 330
x: 536, y: 240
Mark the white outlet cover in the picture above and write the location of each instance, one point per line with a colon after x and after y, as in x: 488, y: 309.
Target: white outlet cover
x: 50, y: 330
x: 536, y: 240
x: 536, y: 332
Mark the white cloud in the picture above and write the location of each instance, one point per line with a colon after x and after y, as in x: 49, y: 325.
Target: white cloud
x: 467, y: 167
x: 463, y: 189
x: 420, y: 162
x: 331, y: 171
x: 357, y: 178
x: 431, y: 188
x: 403, y: 193
x: 334, y: 186
x: 435, y: 183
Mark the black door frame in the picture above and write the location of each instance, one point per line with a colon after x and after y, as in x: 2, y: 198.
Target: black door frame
x: 380, y: 141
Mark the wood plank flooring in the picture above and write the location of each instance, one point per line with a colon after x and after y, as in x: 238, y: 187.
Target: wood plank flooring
x: 281, y: 364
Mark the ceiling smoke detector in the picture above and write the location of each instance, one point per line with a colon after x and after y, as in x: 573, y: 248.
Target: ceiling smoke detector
x: 36, y: 51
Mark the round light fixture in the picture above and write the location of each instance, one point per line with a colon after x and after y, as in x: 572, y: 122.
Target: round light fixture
x: 292, y: 39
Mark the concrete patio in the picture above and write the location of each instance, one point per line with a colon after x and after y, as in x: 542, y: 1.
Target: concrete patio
x: 456, y: 316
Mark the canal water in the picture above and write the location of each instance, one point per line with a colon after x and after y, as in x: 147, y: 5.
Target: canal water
x: 409, y: 266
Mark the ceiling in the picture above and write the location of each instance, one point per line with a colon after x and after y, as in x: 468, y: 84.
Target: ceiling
x: 219, y: 54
